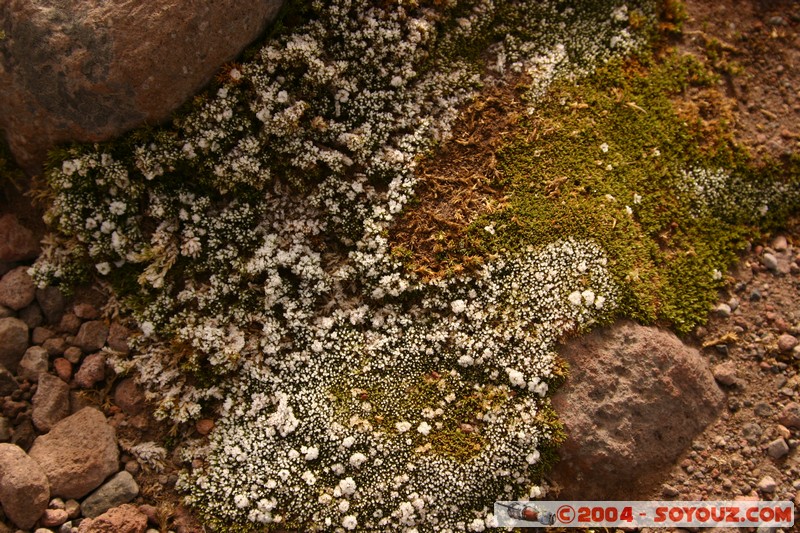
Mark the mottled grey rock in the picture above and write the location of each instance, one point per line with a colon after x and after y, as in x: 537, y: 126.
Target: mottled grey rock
x: 121, y: 488
x: 13, y: 341
x: 89, y: 71
x: 50, y: 403
x: 33, y: 363
x: 634, y: 401
x: 78, y: 454
x: 777, y: 448
x: 24, y: 491
x: 92, y: 336
x: 17, y: 289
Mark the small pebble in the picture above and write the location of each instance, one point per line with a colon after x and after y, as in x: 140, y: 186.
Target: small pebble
x: 763, y: 409
x: 786, y: 342
x: 777, y: 448
x: 767, y: 485
x: 769, y: 261
x: 723, y: 310
x: 780, y: 244
x: 755, y: 295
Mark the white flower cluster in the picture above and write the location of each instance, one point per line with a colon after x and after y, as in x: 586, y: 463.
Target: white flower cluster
x: 254, y: 232
x: 360, y: 425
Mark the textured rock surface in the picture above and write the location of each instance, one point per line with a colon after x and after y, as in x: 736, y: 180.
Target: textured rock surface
x: 123, y: 519
x: 635, y: 398
x: 78, y: 454
x: 92, y: 336
x: 92, y: 370
x: 17, y: 289
x: 24, y: 491
x: 13, y: 341
x: 50, y: 403
x: 87, y: 71
x: 33, y: 363
x: 17, y: 243
x: 120, y: 489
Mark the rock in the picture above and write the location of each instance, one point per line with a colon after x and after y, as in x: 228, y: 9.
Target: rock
x: 129, y: 397
x: 767, y: 485
x: 53, y: 518
x: 92, y: 371
x: 121, y: 488
x: 55, y: 345
x: 780, y: 244
x: 13, y: 341
x: 24, y: 491
x: 17, y: 243
x: 73, y: 354
x: 777, y: 448
x: 634, y: 401
x: 725, y: 373
x: 63, y: 369
x: 24, y: 435
x: 123, y: 519
x: 41, y: 334
x: 73, y: 509
x: 5, y: 429
x: 7, y: 382
x: 668, y: 491
x: 92, y: 336
x: 786, y: 342
x: 33, y: 363
x: 723, y: 310
x: 17, y: 289
x: 790, y: 415
x: 762, y: 409
x: 78, y: 454
x: 86, y: 311
x: 69, y: 324
x: 6, y: 312
x: 52, y: 303
x: 769, y: 261
x: 91, y: 71
x: 751, y: 432
x: 118, y: 338
x: 32, y: 316
x: 204, y: 426
x: 50, y: 403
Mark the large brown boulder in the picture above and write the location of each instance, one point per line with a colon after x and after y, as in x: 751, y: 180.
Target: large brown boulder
x: 24, y: 491
x: 635, y: 398
x: 72, y: 70
x: 78, y: 454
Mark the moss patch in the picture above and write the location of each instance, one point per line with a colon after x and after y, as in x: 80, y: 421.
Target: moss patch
x: 607, y: 159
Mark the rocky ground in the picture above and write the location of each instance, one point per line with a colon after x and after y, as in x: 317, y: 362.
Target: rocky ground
x: 751, y: 342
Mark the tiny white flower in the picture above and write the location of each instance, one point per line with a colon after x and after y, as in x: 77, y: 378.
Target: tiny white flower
x: 424, y: 428
x: 604, y: 148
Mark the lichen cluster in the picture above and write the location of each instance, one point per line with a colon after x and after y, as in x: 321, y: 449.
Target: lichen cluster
x: 249, y: 240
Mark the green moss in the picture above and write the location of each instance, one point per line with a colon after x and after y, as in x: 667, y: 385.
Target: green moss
x: 622, y: 140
